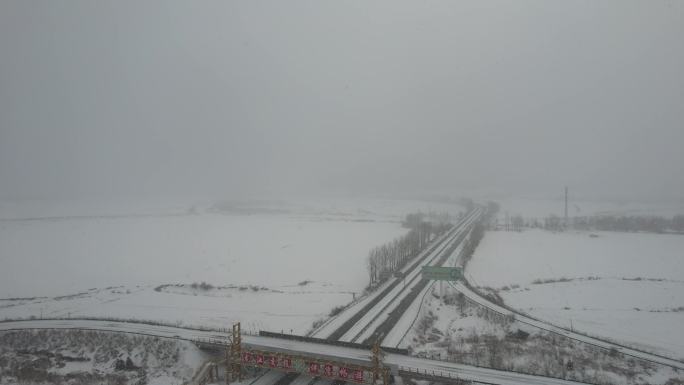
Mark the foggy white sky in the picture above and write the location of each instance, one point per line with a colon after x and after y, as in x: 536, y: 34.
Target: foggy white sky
x: 246, y: 98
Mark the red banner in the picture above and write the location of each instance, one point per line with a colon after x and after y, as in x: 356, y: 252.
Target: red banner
x: 328, y: 370
x: 246, y: 357
x: 358, y: 376
x: 313, y: 368
x: 273, y: 360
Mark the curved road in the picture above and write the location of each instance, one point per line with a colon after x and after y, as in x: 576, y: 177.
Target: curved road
x: 646, y: 356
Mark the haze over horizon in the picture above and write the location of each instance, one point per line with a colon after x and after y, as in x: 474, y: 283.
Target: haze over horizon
x: 244, y: 99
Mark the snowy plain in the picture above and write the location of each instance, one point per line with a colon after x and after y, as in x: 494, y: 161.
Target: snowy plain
x: 273, y: 265
x: 445, y: 330
x: 624, y: 286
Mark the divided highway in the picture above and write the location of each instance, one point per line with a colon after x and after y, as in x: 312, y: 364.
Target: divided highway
x: 372, y: 320
x: 349, y: 322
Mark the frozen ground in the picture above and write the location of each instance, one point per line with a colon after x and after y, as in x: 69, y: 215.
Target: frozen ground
x: 277, y: 308
x: 78, y: 357
x: 626, y: 287
x: 447, y: 329
x: 62, y: 256
x: 279, y: 265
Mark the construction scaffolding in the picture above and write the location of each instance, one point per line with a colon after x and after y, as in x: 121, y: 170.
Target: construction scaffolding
x: 379, y: 370
x: 234, y: 356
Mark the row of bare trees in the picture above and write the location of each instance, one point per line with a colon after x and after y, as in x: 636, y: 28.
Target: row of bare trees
x: 603, y: 222
x: 391, y: 257
x: 644, y: 223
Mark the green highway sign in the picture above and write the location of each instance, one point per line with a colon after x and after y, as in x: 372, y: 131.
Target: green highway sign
x: 440, y: 273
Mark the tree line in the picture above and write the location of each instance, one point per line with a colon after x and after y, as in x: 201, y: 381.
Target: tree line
x: 385, y: 260
x: 472, y: 241
x: 478, y: 232
x: 650, y: 224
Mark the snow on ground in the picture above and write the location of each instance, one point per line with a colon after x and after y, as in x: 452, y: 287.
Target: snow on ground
x: 505, y: 258
x: 288, y: 309
x: 623, y: 286
x: 70, y: 255
x: 106, y: 261
x: 446, y: 329
x: 74, y: 356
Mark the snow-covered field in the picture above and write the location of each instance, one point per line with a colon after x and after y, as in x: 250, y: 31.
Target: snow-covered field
x: 273, y: 265
x: 623, y: 286
x: 446, y: 329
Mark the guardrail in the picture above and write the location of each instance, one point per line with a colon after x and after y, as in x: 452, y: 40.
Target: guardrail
x: 434, y: 357
x: 433, y: 375
x: 328, y: 342
x: 211, y: 341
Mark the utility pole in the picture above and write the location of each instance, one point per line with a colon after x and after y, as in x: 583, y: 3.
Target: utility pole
x: 566, y: 207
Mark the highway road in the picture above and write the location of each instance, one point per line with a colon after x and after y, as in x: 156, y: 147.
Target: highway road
x: 349, y: 323
x: 378, y: 320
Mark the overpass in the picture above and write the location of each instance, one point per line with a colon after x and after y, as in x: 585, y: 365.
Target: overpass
x: 403, y: 365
